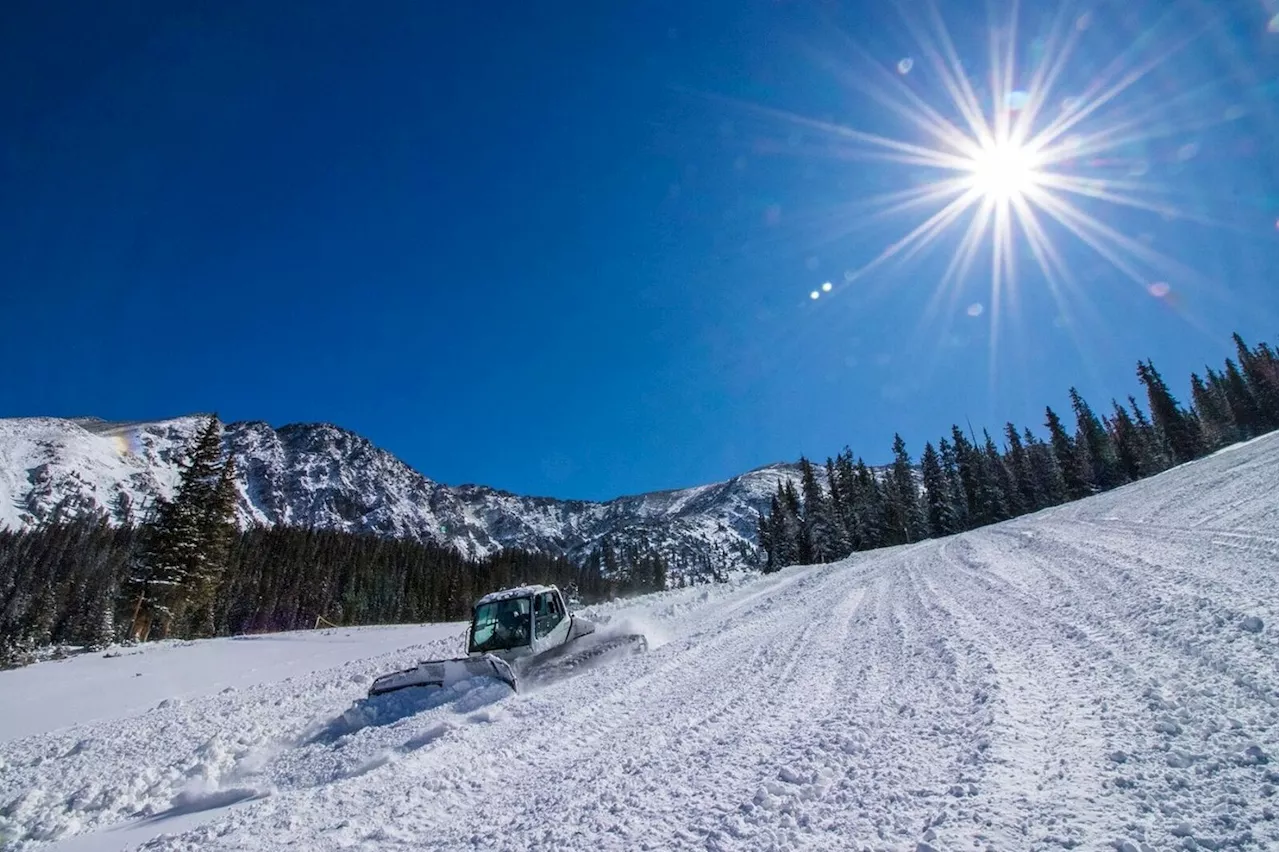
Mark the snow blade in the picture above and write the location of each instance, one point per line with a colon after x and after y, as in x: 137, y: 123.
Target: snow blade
x: 442, y: 673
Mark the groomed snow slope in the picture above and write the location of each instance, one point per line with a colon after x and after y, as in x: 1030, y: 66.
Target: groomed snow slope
x: 1099, y: 676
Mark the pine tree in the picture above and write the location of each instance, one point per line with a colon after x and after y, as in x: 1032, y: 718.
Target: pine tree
x: 186, y: 546
x: 1104, y: 468
x: 1214, y: 413
x: 1044, y: 466
x: 940, y: 511
x: 1064, y: 452
x: 968, y: 467
x: 1259, y: 367
x: 764, y: 537
x: 905, y: 520
x: 846, y: 491
x: 826, y: 539
x: 1179, y: 431
x: 870, y: 505
x: 995, y: 500
x: 1154, y: 458
x: 1240, y: 402
x: 1128, y: 443
x: 1030, y: 494
x: 955, y: 487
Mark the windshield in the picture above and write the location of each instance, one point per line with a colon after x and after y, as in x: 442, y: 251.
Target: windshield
x: 501, y: 624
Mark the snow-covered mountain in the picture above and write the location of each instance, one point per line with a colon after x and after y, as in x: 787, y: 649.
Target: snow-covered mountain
x: 323, y: 476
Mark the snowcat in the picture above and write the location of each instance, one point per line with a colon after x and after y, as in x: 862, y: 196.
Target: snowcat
x: 523, y: 634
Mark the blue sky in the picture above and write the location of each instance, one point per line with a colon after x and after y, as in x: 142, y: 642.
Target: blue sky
x: 561, y: 249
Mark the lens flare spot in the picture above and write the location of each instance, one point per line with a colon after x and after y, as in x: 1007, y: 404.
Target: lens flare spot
x: 975, y: 310
x: 905, y: 64
x: 1082, y: 22
x: 1159, y: 289
x: 815, y: 294
x: 811, y: 263
x: 826, y: 288
x: 1273, y: 26
x: 1016, y: 100
x: 1187, y: 151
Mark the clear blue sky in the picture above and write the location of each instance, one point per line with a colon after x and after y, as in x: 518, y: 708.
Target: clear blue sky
x: 554, y: 248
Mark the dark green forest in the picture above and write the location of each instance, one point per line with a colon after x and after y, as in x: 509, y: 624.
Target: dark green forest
x: 968, y: 480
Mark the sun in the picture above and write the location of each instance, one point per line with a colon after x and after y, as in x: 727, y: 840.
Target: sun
x: 1004, y: 171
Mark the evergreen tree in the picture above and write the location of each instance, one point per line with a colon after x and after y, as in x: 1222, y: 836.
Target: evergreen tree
x: 869, y: 506
x: 939, y: 509
x: 1064, y: 452
x: 995, y: 480
x: 905, y: 520
x: 764, y: 536
x: 1178, y: 430
x: 1214, y: 413
x: 1104, y: 468
x: 969, y: 468
x: 1128, y: 442
x: 1030, y: 494
x: 1154, y: 458
x: 825, y: 537
x: 845, y: 490
x: 955, y: 487
x: 1044, y: 466
x: 1240, y: 402
x: 1259, y: 366
x: 186, y: 546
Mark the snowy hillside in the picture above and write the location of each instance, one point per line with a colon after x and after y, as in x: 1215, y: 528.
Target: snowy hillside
x: 1097, y: 676
x: 320, y: 475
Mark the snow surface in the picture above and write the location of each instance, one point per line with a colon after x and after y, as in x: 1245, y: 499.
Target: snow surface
x: 1098, y: 676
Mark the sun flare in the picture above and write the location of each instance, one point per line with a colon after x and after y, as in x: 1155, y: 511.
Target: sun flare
x: 1013, y: 164
x: 1005, y: 171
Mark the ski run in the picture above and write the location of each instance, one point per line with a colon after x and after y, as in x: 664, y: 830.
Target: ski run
x: 1100, y: 676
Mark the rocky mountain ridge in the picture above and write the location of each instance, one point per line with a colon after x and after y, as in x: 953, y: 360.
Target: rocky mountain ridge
x: 324, y: 476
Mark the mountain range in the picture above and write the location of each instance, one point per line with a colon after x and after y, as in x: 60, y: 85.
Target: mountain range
x: 320, y: 475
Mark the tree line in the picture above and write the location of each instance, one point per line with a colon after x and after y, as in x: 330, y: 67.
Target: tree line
x: 187, y: 571
x: 965, y: 482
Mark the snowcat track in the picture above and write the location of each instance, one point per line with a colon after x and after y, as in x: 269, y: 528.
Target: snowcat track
x: 574, y: 660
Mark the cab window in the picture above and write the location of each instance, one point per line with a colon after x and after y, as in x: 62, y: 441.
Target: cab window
x: 547, y: 613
